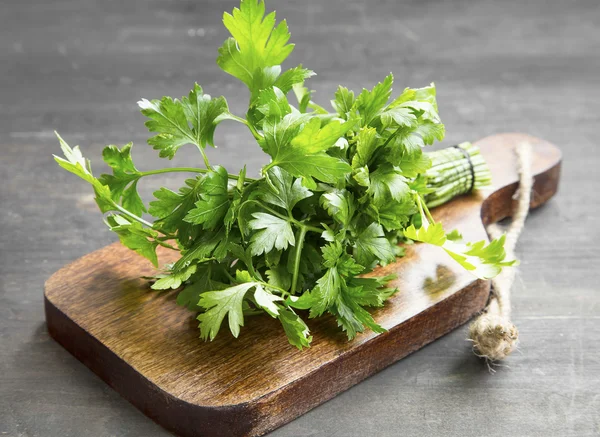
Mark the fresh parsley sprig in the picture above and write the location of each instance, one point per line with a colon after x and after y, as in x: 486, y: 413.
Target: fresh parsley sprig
x: 342, y: 189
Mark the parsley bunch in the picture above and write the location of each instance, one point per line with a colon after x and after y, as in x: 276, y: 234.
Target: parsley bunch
x: 343, y: 188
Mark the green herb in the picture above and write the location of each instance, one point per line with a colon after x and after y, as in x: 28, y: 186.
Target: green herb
x: 343, y: 188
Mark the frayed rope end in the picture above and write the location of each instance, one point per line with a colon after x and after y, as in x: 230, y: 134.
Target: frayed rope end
x: 493, y: 337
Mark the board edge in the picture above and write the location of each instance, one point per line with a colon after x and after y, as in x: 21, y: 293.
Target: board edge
x: 254, y: 418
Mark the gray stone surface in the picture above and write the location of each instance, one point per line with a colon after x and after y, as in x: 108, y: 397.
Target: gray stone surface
x: 79, y: 66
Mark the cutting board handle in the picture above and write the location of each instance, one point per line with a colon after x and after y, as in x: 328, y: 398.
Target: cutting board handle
x: 499, y: 152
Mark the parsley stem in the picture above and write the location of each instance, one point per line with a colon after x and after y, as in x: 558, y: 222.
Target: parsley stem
x: 255, y: 133
x: 428, y: 213
x: 381, y: 149
x: 268, y: 179
x: 392, y: 135
x: 299, y: 245
x: 258, y: 281
x: 229, y: 276
x: 189, y: 170
x: 248, y: 123
x: 250, y: 268
x: 274, y: 287
x: 313, y: 228
x: 131, y: 215
x: 271, y: 210
x: 174, y: 170
x: 145, y: 223
x: 423, y: 210
x: 205, y: 158
x: 168, y: 246
x: 289, y: 218
x: 236, y: 118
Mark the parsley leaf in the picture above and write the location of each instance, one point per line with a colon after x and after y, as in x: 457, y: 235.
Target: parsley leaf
x: 483, y: 261
x: 370, y: 103
x: 266, y: 300
x: 190, y: 120
x: 214, y: 202
x: 256, y: 44
x: 171, y: 208
x: 123, y: 182
x: 395, y: 215
x: 202, y: 248
x: 302, y: 158
x: 370, y: 291
x: 333, y: 294
x: 371, y: 246
x: 366, y: 143
x: 175, y: 279
x: 315, y: 138
x: 387, y: 180
x: 134, y: 236
x: 221, y: 303
x: 284, y: 191
x: 343, y: 102
x: 279, y: 277
x: 352, y: 317
x: 340, y: 205
x: 297, y: 75
x: 200, y: 282
x: 432, y: 234
x: 296, y: 330
x: 80, y: 166
x: 325, y: 292
x: 274, y: 233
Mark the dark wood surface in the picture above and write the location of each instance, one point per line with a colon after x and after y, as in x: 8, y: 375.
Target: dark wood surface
x: 100, y: 309
x: 80, y: 66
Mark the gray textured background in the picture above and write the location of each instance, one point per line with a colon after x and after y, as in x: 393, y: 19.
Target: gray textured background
x: 79, y: 66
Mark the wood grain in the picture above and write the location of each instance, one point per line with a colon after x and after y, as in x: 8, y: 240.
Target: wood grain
x: 147, y: 348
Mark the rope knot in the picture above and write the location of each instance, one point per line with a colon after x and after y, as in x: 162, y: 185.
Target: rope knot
x: 494, y: 337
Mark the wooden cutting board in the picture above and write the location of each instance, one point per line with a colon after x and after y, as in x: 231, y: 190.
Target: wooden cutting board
x: 147, y: 348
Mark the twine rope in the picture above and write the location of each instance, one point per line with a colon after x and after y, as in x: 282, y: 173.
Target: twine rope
x: 493, y: 335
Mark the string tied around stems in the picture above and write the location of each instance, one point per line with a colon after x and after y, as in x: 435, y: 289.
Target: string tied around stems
x: 493, y: 335
x: 455, y: 170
